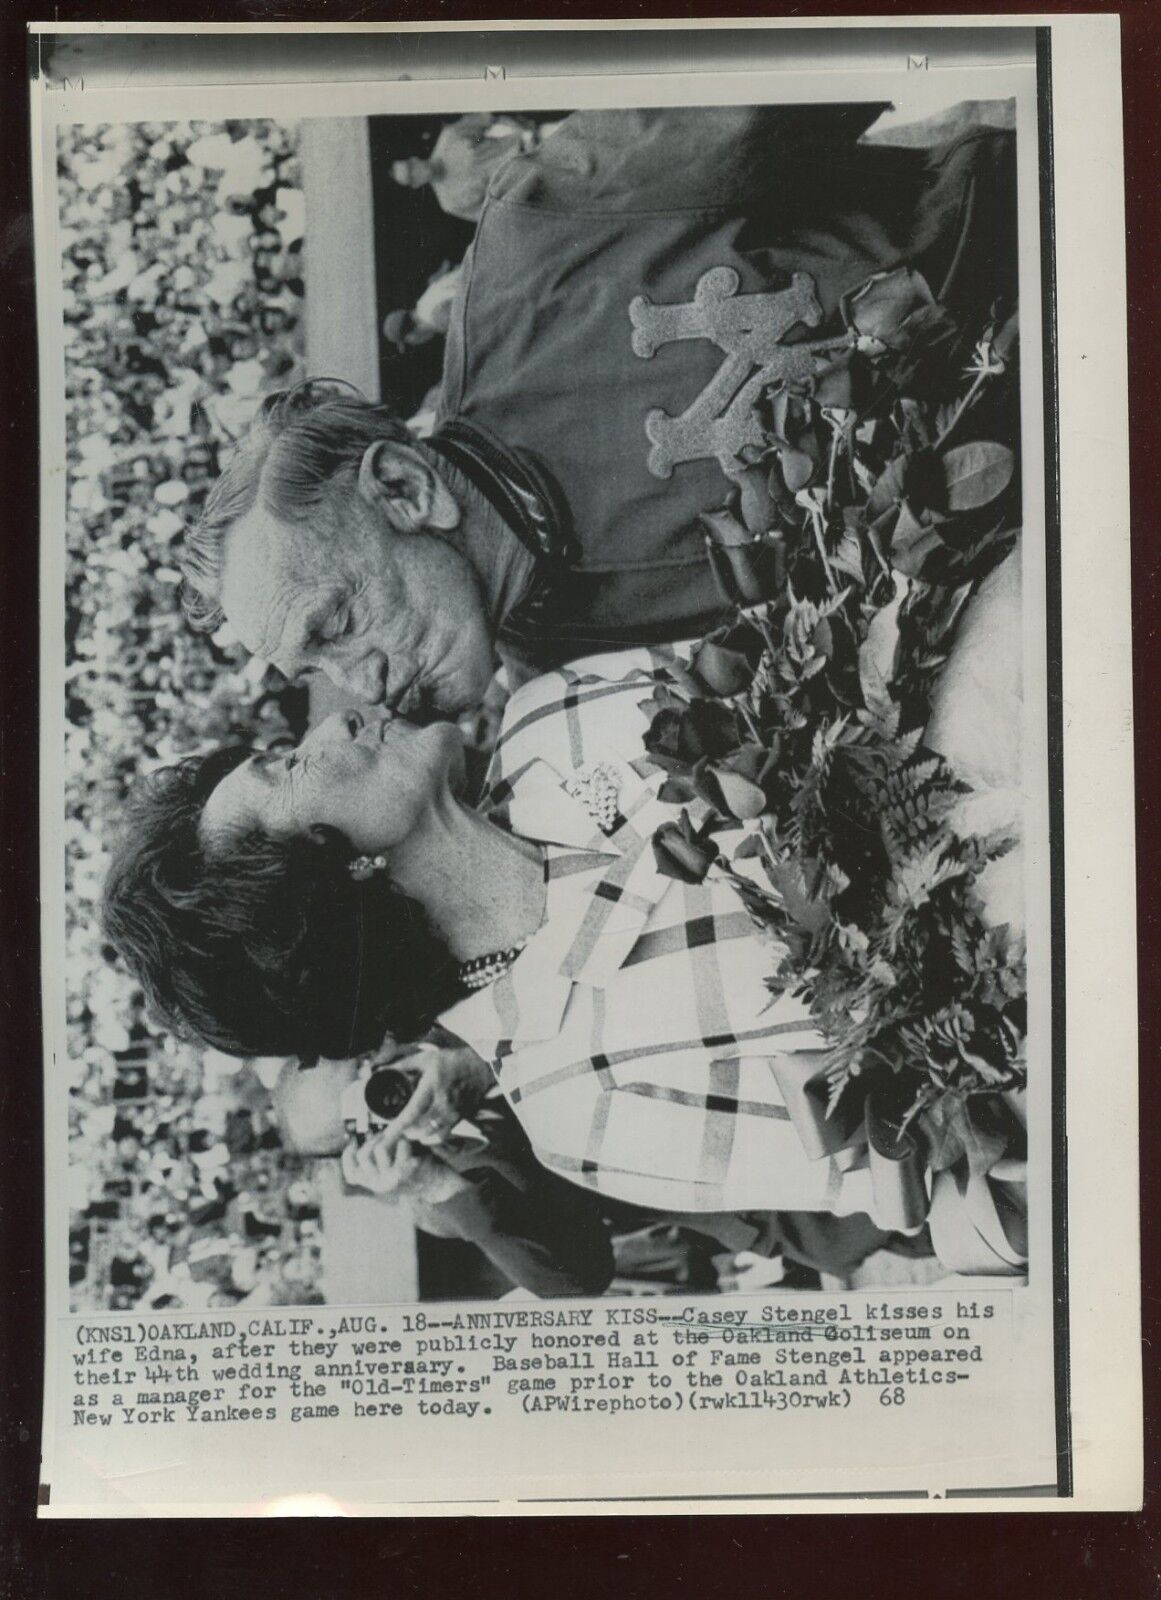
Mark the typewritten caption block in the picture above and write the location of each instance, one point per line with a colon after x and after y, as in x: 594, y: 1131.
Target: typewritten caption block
x: 857, y: 1352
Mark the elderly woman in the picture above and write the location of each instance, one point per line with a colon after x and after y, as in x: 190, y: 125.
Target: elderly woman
x: 316, y: 900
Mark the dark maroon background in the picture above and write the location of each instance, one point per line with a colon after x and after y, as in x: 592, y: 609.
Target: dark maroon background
x: 979, y: 1557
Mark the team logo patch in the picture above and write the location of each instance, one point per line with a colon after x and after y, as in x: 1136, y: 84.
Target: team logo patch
x: 748, y: 328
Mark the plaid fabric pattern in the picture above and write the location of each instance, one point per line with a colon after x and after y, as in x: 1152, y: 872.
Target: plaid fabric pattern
x: 634, y: 1036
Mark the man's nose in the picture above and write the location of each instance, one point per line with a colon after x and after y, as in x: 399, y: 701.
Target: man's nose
x: 365, y: 679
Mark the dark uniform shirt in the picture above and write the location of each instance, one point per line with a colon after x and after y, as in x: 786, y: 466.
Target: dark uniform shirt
x: 621, y: 207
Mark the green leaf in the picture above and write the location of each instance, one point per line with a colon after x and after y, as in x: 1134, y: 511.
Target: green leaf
x: 944, y: 1126
x: 953, y: 1132
x: 880, y: 649
x: 912, y: 543
x: 662, y: 699
x: 682, y: 851
x: 723, y: 672
x: 685, y: 680
x: 756, y: 506
x: 806, y: 909
x: 1005, y: 342
x: 888, y: 490
x: 797, y: 468
x: 851, y: 938
x: 743, y: 799
x: 848, y: 558
x: 883, y: 711
x: 977, y: 473
x: 676, y: 791
x: 917, y: 878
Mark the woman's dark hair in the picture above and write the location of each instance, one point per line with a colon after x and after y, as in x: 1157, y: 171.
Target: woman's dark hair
x: 262, y: 946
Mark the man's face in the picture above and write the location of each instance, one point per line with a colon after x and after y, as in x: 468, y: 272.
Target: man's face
x: 391, y: 618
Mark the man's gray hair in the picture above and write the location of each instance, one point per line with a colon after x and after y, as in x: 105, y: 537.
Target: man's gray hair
x: 303, y: 443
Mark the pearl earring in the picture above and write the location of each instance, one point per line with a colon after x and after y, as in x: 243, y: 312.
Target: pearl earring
x: 364, y: 867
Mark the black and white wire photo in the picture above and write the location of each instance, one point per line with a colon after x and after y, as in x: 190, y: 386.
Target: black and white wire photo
x: 557, y: 768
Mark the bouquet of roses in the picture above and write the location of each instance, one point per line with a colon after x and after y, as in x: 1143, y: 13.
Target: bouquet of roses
x: 886, y: 489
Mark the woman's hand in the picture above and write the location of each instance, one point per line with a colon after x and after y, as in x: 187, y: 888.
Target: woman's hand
x: 453, y: 1081
x: 399, y: 1170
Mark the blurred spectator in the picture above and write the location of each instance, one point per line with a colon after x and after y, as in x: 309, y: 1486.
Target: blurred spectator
x: 466, y: 154
x: 416, y: 337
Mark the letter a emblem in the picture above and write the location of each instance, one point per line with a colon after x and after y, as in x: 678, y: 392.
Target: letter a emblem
x: 748, y: 328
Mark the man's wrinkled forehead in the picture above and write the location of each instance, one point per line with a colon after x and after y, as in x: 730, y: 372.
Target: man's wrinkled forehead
x: 272, y: 572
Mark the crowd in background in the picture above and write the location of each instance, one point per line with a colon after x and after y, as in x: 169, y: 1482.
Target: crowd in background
x: 180, y: 247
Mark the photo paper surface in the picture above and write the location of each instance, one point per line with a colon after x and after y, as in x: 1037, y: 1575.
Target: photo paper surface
x: 559, y: 588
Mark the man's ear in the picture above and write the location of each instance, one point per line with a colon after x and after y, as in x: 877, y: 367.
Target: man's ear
x: 409, y: 491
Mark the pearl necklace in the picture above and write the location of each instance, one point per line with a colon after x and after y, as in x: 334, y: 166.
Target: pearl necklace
x: 483, y: 970
x: 598, y: 789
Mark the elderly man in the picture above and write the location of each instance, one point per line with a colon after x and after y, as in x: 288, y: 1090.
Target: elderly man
x: 466, y: 154
x: 639, y: 290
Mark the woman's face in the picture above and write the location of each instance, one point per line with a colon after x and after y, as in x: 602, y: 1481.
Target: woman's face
x: 372, y: 776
